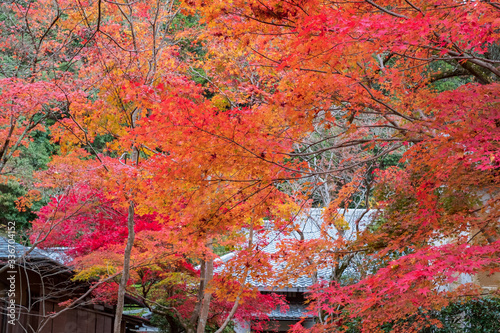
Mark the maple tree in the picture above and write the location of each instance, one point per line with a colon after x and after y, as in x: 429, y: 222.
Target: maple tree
x: 94, y: 227
x: 32, y: 84
x: 412, y: 77
x: 305, y: 96
x: 128, y: 86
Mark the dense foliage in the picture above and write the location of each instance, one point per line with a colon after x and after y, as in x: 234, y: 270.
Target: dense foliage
x: 181, y: 127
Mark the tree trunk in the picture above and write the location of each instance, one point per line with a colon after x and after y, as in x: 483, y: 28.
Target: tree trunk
x: 205, y: 305
x: 126, y: 270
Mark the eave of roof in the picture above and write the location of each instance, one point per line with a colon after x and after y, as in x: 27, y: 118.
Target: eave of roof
x: 294, y: 312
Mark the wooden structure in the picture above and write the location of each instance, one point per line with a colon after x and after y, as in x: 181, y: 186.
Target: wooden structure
x: 32, y: 289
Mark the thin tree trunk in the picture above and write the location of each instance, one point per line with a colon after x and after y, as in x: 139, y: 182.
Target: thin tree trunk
x: 130, y: 242
x: 199, y: 299
x: 230, y: 315
x: 205, y: 305
x: 126, y: 270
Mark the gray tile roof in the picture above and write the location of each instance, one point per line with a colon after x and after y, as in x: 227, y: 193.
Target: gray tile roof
x: 310, y: 227
x: 55, y: 255
x: 20, y: 250
x: 294, y: 312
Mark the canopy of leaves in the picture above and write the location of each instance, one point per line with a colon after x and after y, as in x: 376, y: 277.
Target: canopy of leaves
x: 386, y: 105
